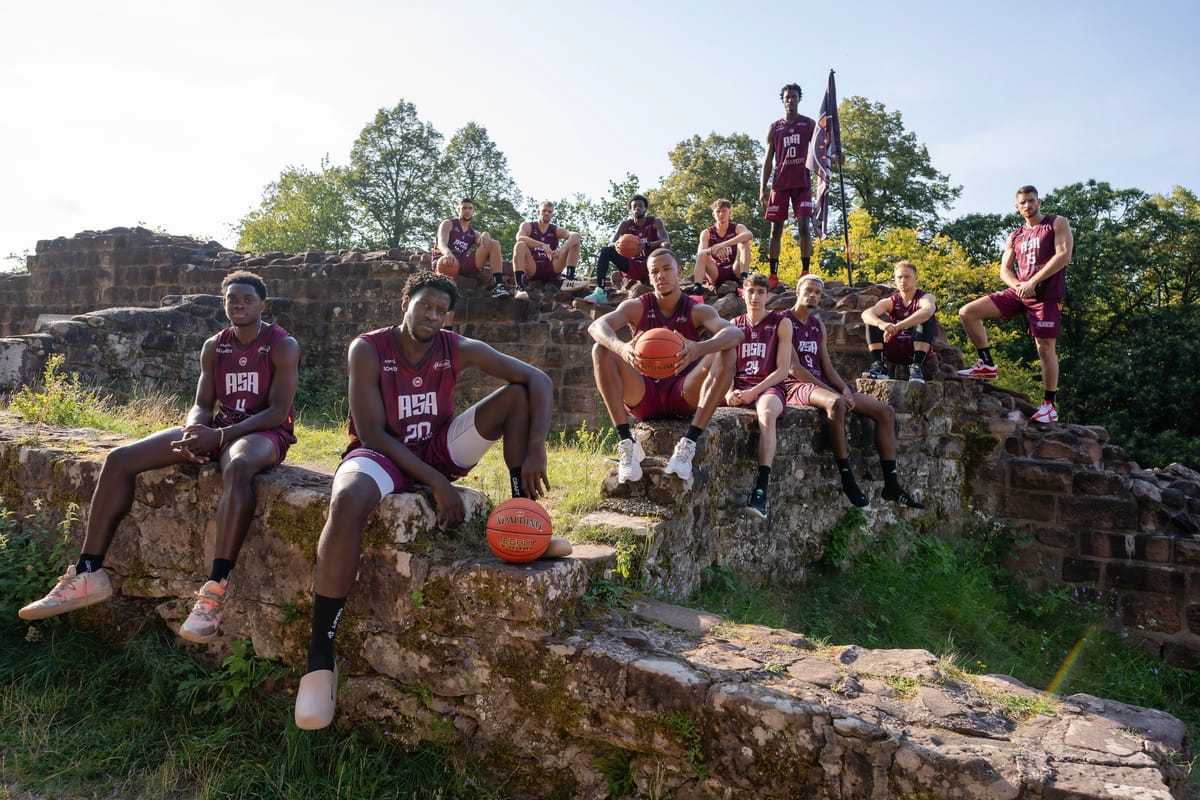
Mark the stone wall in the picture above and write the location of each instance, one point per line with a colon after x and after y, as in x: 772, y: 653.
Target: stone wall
x: 441, y: 641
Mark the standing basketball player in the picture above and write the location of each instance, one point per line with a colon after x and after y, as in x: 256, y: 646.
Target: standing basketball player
x: 476, y: 251
x: 787, y: 153
x: 651, y: 233
x: 403, y: 431
x: 1038, y: 253
x: 241, y: 418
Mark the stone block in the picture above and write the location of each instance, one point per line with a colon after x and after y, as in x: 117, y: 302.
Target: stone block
x: 1193, y: 618
x: 1187, y: 552
x: 1056, y: 537
x: 1030, y: 506
x: 1150, y: 612
x: 1082, y: 570
x: 1091, y: 482
x: 1142, y: 578
x: 1041, y: 476
x: 1103, y: 513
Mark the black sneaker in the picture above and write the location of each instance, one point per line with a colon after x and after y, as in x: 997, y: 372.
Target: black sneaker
x: 877, y: 371
x: 757, y: 506
x: 500, y: 290
x: 902, y: 497
x: 916, y: 374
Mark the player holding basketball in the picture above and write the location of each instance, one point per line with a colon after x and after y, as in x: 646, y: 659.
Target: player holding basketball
x: 724, y: 251
x: 652, y: 234
x: 702, y: 376
x: 762, y: 366
x: 403, y: 432
x: 476, y: 251
x: 241, y: 418
x: 545, y: 251
x: 1038, y: 252
x: 900, y: 328
x: 786, y: 169
x: 815, y: 382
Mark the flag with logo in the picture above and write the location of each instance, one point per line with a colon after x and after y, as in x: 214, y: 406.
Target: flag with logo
x: 826, y: 145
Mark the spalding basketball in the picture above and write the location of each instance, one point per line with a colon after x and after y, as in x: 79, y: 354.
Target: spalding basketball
x: 519, y: 530
x: 446, y: 265
x: 658, y: 349
x: 629, y: 245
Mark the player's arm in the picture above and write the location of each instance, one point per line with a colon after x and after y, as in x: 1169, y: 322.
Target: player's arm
x: 482, y: 356
x: 604, y: 329
x: 1007, y: 260
x: 1064, y: 246
x: 783, y: 359
x: 663, y: 240
x: 831, y: 374
x: 768, y: 163
x: 874, y: 314
x: 926, y: 308
x: 742, y: 263
x: 199, y: 437
x: 285, y: 358
x: 523, y: 236
x: 568, y: 238
x: 725, y: 335
x: 799, y: 371
x: 621, y: 230
x: 704, y: 246
x: 442, y: 238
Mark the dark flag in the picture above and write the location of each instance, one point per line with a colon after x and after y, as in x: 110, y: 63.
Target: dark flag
x: 825, y: 146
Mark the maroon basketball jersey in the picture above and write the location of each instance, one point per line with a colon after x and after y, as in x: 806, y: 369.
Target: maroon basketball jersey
x: 1033, y: 247
x: 461, y: 241
x: 715, y: 239
x: 757, y: 352
x: 418, y: 399
x: 807, y: 338
x: 648, y: 233
x: 549, y: 238
x: 680, y: 321
x: 791, y: 152
x: 243, y: 376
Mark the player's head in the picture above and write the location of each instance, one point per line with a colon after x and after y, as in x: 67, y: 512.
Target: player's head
x: 466, y: 208
x: 808, y: 290
x: 427, y: 298
x: 244, y: 294
x: 905, y: 274
x: 755, y: 289
x: 546, y: 211
x: 1028, y: 203
x: 663, y: 267
x: 788, y: 92
x: 721, y: 207
x: 638, y: 205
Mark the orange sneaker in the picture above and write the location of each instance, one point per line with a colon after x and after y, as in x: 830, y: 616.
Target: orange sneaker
x: 71, y: 592
x: 201, y: 625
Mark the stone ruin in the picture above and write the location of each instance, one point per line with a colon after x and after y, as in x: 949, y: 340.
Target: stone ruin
x: 563, y: 698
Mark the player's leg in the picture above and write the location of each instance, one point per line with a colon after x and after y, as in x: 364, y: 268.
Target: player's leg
x: 1048, y: 356
x: 703, y: 389
x: 804, y: 234
x: 834, y: 406
x: 884, y: 418
x: 523, y: 259
x: 972, y: 316
x: 878, y: 369
x: 706, y: 270
x: 768, y: 407
x: 85, y: 582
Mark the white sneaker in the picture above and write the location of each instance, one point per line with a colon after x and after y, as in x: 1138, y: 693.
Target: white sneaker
x: 681, y: 460
x: 630, y: 455
x: 521, y: 295
x: 71, y: 592
x: 1047, y: 414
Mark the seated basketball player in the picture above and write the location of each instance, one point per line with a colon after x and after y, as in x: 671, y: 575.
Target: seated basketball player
x: 815, y: 382
x: 476, y: 251
x: 403, y: 432
x: 650, y: 232
x: 900, y: 327
x: 702, y: 376
x: 241, y: 418
x: 762, y: 366
x: 724, y: 251
x: 544, y: 252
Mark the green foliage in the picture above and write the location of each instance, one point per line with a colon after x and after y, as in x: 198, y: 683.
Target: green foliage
x: 239, y: 672
x: 845, y: 538
x: 61, y: 400
x: 982, y: 236
x: 33, y: 551
x: 704, y: 170
x: 604, y: 592
x: 687, y: 731
x: 617, y: 767
x: 473, y: 166
x: 303, y: 210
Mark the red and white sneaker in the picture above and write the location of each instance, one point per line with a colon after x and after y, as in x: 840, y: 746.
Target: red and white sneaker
x: 980, y: 371
x: 773, y: 282
x: 1046, y: 414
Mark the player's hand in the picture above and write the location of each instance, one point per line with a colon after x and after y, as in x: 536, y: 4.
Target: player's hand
x: 689, y: 353
x: 629, y: 355
x: 722, y: 253
x: 763, y: 196
x: 848, y: 395
x: 450, y: 509
x: 1026, y: 289
x: 197, y: 443
x: 734, y: 398
x: 534, y: 480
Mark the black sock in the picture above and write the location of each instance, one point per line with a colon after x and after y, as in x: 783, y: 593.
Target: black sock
x: 849, y: 485
x: 89, y: 562
x: 222, y: 568
x: 890, y: 481
x: 623, y: 431
x: 327, y: 613
x: 764, y: 475
x: 774, y: 266
x: 918, y: 357
x: 877, y: 355
x: 498, y: 278
x: 521, y: 279
x: 570, y: 273
x: 805, y: 263
x: 1052, y: 397
x: 514, y: 478
x: 693, y: 433
x: 985, y: 355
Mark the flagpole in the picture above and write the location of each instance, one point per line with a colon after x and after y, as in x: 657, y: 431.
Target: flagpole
x: 845, y: 227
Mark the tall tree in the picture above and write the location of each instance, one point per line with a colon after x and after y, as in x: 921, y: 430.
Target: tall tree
x: 302, y: 210
x: 473, y: 166
x: 704, y: 170
x: 887, y: 171
x: 394, y: 175
x: 982, y: 235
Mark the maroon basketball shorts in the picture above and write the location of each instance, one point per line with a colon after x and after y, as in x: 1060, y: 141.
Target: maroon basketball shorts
x: 800, y: 199
x: 1045, y: 318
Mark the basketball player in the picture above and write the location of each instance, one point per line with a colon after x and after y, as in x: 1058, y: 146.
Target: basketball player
x: 476, y: 251
x: 652, y: 234
x: 785, y: 167
x: 814, y: 382
x: 900, y: 328
x: 762, y: 366
x: 1038, y: 252
x: 724, y: 250
x: 241, y: 418
x: 544, y: 252
x: 403, y: 432
x: 702, y: 376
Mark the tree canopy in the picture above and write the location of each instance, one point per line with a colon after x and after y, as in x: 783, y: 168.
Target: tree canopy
x: 302, y: 210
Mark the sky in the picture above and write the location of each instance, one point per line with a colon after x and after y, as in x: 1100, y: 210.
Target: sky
x: 177, y: 115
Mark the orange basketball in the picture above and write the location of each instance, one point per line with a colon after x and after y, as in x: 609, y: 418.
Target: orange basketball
x: 519, y: 530
x: 446, y: 265
x: 658, y: 349
x: 629, y: 245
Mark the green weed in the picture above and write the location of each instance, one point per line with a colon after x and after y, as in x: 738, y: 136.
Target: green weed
x: 32, y: 554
